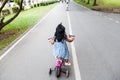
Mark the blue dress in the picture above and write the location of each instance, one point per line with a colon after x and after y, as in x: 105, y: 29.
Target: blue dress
x: 60, y: 49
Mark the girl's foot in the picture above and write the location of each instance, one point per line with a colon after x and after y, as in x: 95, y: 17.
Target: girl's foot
x: 67, y: 63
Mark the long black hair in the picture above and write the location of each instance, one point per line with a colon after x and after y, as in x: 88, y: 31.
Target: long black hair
x: 60, y: 33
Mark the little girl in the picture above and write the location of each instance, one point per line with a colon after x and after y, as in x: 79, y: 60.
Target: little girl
x: 60, y: 49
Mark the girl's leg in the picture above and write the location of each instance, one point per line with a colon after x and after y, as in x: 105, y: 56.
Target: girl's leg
x: 67, y: 62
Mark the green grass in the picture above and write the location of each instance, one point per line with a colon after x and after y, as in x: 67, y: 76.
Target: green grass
x: 25, y: 20
x: 101, y: 3
x: 28, y: 18
x: 112, y: 3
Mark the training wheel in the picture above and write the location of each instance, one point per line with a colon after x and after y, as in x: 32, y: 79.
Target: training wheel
x: 50, y: 71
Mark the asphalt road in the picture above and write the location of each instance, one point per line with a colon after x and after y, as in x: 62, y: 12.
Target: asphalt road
x: 97, y: 47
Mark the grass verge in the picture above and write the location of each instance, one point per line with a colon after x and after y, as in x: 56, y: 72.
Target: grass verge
x: 24, y: 21
x: 102, y: 5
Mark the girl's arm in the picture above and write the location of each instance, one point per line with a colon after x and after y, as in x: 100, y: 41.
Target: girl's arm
x: 70, y: 39
x: 51, y: 41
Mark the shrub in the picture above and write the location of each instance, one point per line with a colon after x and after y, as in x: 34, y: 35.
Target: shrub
x: 38, y: 4
x: 31, y: 6
x: 47, y: 3
x: 35, y: 5
x: 15, y: 9
x: 5, y: 12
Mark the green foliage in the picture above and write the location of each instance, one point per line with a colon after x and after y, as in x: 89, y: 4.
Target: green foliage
x: 35, y: 5
x: 47, y: 3
x: 38, y: 4
x: 31, y: 6
x: 15, y: 9
x: 17, y: 1
x: 110, y: 3
x: 5, y: 12
x: 100, y: 3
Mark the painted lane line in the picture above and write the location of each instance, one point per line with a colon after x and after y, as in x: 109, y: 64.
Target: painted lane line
x: 9, y: 49
x: 74, y: 56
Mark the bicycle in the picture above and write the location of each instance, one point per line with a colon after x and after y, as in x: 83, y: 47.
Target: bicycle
x: 60, y: 68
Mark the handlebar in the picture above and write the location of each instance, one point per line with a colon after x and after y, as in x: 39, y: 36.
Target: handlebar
x: 71, y: 35
x: 68, y: 36
x: 50, y: 38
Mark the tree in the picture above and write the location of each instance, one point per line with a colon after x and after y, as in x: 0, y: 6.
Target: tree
x: 2, y: 23
x: 88, y: 2
x: 95, y: 3
x: 83, y: 0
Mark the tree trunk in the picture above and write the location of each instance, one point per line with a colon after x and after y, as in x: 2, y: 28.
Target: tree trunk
x: 84, y: 1
x: 3, y: 24
x: 88, y: 2
x: 94, y: 4
x: 5, y: 1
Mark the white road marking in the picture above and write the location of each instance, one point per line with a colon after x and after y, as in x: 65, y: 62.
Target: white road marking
x: 75, y: 61
x: 9, y: 49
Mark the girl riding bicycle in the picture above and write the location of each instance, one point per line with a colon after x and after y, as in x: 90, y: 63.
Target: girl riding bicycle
x: 60, y: 49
